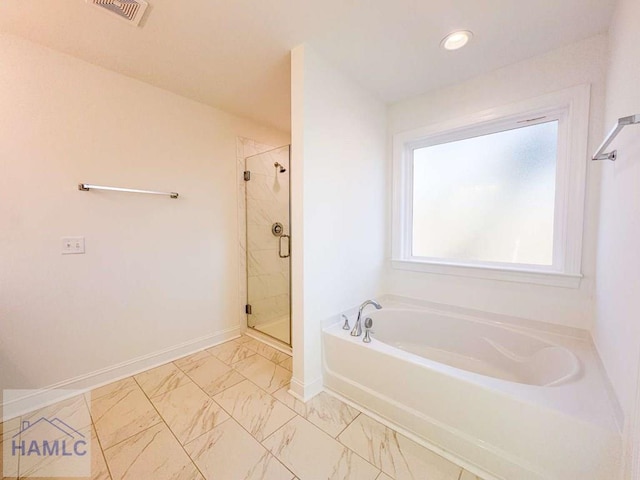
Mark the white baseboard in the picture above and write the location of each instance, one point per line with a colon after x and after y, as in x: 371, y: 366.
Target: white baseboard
x: 305, y: 392
x: 35, y: 399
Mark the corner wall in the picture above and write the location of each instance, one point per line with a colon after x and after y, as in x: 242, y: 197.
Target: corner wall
x: 338, y: 202
x: 158, y: 274
x: 617, y: 325
x: 580, y: 63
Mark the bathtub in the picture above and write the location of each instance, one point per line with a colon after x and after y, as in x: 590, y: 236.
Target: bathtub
x: 504, y: 401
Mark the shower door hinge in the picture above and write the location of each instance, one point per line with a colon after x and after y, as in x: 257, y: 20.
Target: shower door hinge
x: 247, y: 175
x: 247, y: 309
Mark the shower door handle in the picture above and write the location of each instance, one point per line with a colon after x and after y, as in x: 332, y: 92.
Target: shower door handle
x: 288, y: 254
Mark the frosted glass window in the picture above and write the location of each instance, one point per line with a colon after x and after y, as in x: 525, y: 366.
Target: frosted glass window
x: 487, y: 199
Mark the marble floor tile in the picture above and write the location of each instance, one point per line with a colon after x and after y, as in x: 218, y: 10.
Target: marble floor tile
x: 290, y: 401
x: 395, y: 454
x: 323, y: 410
x: 73, y: 411
x: 99, y: 470
x: 228, y: 452
x: 268, y: 352
x: 189, y: 412
x: 122, y: 413
x: 264, y: 373
x: 230, y: 352
x: 195, y: 357
x: 250, y: 343
x: 111, y: 388
x: 244, y: 339
x: 329, y: 413
x: 58, y: 422
x: 211, y: 374
x: 468, y: 476
x: 8, y: 461
x: 9, y: 426
x: 151, y: 454
x: 55, y: 431
x: 287, y: 363
x: 161, y: 379
x: 311, y: 454
x: 384, y: 476
x: 253, y: 408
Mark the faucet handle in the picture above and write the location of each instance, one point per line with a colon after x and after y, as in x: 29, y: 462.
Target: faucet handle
x: 346, y: 322
x: 368, y: 323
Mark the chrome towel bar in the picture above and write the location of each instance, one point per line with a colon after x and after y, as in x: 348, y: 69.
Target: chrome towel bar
x: 622, y: 122
x: 85, y: 187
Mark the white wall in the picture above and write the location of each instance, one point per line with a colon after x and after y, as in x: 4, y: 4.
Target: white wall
x: 157, y: 272
x: 576, y: 64
x: 617, y: 327
x: 339, y: 199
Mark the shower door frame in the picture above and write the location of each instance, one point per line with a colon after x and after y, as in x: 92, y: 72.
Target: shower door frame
x: 246, y: 232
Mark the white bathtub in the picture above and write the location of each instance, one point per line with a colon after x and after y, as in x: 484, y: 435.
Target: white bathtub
x: 506, y: 401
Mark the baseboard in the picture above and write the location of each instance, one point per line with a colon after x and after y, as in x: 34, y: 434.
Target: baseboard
x: 35, y: 399
x: 305, y: 392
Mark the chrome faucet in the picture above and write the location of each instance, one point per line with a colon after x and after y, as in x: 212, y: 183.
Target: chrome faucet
x: 357, y: 330
x: 368, y: 323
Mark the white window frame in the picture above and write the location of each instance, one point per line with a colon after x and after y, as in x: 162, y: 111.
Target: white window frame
x: 571, y: 108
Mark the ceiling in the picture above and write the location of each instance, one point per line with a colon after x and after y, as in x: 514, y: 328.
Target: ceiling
x: 234, y: 54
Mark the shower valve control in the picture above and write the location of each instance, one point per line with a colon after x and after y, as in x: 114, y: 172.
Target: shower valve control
x: 277, y: 229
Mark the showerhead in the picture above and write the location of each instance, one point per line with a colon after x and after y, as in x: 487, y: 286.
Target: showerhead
x: 281, y: 167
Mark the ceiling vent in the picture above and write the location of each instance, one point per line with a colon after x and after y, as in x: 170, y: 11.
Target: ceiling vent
x: 131, y: 11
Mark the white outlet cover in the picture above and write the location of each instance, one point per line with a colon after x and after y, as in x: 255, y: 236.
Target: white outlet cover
x: 72, y: 245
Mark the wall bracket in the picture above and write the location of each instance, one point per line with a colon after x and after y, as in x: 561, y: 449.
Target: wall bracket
x: 601, y: 153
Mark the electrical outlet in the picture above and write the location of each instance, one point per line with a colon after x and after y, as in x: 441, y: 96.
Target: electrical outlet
x: 72, y: 245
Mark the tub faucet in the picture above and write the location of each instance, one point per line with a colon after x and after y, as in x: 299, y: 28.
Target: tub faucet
x: 357, y: 330
x: 368, y: 323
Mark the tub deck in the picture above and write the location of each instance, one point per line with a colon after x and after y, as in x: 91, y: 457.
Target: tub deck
x: 499, y: 427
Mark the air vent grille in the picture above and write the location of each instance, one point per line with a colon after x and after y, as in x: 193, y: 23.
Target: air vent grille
x: 129, y: 10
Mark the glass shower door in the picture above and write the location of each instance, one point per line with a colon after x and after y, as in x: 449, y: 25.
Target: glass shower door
x: 268, y: 243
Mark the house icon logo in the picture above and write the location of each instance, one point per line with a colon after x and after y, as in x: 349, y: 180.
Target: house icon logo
x: 48, y: 438
x: 53, y: 441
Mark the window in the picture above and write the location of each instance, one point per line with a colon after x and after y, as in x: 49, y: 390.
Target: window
x: 498, y: 195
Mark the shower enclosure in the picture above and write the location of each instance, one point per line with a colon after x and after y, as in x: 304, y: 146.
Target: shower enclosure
x: 268, y: 243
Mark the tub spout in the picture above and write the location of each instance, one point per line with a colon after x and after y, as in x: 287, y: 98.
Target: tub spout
x: 357, y: 330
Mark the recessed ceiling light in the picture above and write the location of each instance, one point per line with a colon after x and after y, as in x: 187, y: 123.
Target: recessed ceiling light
x: 456, y: 40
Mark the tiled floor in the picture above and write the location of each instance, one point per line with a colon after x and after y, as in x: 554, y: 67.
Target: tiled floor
x: 225, y: 414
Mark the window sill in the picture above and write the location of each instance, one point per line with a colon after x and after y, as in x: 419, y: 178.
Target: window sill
x: 555, y: 279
